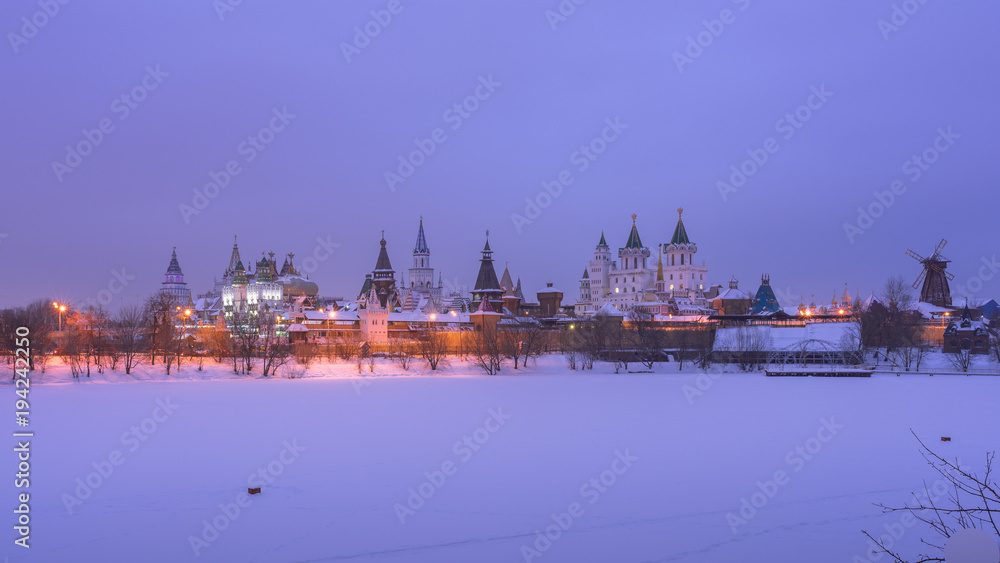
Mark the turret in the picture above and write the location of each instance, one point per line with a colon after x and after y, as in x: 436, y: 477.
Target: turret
x: 487, y: 286
x: 173, y: 281
x: 383, y: 276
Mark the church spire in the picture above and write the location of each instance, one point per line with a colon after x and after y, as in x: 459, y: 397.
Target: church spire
x: 634, y: 242
x: 680, y: 233
x: 234, y: 259
x: 174, y: 269
x: 659, y: 264
x: 421, y: 246
x: 487, y: 284
x: 603, y: 242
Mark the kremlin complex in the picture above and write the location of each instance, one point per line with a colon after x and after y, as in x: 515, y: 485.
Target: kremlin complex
x: 665, y: 283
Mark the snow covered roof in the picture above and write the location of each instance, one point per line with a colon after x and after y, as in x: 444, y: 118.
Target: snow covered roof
x: 609, y: 310
x: 485, y: 308
x: 932, y: 311
x: 734, y: 293
x: 813, y: 336
x: 296, y: 327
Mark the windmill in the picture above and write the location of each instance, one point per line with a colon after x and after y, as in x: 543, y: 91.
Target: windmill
x: 934, y: 276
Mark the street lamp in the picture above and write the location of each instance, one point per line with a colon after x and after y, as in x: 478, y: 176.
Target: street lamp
x: 333, y: 315
x: 61, y: 308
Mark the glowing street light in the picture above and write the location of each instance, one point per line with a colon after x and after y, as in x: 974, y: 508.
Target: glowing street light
x: 60, y: 308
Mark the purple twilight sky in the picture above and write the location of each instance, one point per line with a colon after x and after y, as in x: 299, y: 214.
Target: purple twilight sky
x: 199, y: 80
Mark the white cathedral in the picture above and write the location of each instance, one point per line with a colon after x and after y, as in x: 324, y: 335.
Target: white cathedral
x: 669, y: 285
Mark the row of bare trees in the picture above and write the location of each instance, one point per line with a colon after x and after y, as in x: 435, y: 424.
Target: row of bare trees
x: 153, y: 331
x: 640, y: 340
x: 91, y: 339
x: 891, y: 330
x: 492, y: 346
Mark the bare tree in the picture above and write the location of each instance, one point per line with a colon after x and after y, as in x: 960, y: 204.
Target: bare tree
x: 399, y: 353
x: 572, y: 358
x: 973, y: 502
x: 97, y: 323
x: 487, y: 350
x: 612, y: 341
x: 704, y: 342
x: 891, y: 323
x: 359, y: 358
x: 908, y: 355
x: 852, y: 339
x: 346, y: 348
x: 692, y: 343
x: 748, y: 346
x: 511, y: 343
x: 570, y: 343
x: 72, y: 350
x: 77, y: 348
x: 647, y: 340
x: 245, y: 329
x: 994, y: 343
x: 39, y: 319
x: 274, y: 348
x: 897, y: 294
x: 962, y: 359
x: 129, y: 330
x: 160, y: 310
x: 304, y: 353
x: 170, y: 357
x: 534, y: 338
x: 433, y: 346
x: 218, y: 344
x: 112, y: 352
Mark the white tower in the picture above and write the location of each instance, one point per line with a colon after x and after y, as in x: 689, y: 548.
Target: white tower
x: 421, y: 274
x: 600, y: 273
x: 374, y: 317
x: 684, y: 277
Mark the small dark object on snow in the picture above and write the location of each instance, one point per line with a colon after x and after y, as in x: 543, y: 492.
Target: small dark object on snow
x: 945, y: 439
x: 254, y: 491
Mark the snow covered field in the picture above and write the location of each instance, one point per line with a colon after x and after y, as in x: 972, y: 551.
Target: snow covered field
x: 634, y: 467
